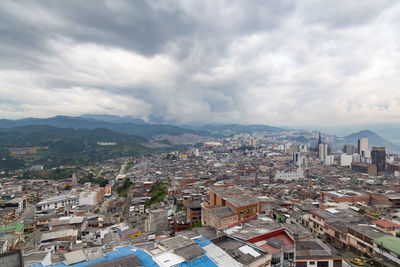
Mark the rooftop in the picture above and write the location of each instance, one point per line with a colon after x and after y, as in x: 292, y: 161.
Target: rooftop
x: 254, y: 228
x: 58, y: 234
x: 313, y: 248
x: 385, y: 223
x: 175, y: 242
x: 242, y: 252
x: 367, y: 230
x: 241, y: 200
x: 390, y: 243
x: 222, y: 211
x: 55, y: 199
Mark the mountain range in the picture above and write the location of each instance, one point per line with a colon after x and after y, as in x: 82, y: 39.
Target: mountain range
x: 65, y: 140
x: 133, y: 126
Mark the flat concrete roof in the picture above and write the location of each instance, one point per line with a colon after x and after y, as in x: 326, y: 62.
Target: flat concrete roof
x: 221, y: 211
x: 238, y: 250
x: 253, y: 229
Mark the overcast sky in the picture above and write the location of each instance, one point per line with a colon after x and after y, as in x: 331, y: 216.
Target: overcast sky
x: 295, y: 63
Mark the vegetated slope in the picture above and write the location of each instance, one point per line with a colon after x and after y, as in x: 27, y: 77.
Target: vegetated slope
x: 65, y: 146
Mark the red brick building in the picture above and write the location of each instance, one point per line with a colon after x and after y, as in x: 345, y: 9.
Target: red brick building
x: 242, y: 204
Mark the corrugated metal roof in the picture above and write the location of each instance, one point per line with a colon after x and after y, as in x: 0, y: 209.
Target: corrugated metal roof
x: 75, y: 257
x: 389, y: 242
x: 199, y: 262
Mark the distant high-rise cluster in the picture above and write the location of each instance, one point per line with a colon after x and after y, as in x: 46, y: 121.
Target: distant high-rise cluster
x: 363, y: 159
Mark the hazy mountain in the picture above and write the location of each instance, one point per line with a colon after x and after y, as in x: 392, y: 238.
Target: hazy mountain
x: 144, y: 130
x: 134, y: 126
x: 373, y: 140
x: 232, y: 129
x: 390, y: 132
x: 114, y: 119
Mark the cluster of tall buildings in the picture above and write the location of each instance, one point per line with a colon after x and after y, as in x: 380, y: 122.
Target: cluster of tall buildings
x: 324, y: 152
x: 362, y: 158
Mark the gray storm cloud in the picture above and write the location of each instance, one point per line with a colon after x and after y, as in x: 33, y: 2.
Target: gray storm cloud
x: 274, y: 62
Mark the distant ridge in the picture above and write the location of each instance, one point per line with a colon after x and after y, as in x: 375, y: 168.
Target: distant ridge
x: 373, y: 140
x: 135, y: 126
x: 94, y: 122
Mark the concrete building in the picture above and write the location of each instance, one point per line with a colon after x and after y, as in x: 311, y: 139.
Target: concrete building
x: 363, y: 148
x: 193, y: 210
x: 18, y: 203
x: 56, y: 202
x: 218, y: 216
x: 290, y: 175
x: 360, y: 237
x: 87, y: 198
x: 349, y: 149
x: 378, y: 155
x: 329, y: 160
x: 292, y: 149
x: 387, y: 226
x: 346, y: 160
x: 364, y: 168
x: 356, y: 157
x: 243, y: 204
x: 323, y: 152
x: 157, y: 221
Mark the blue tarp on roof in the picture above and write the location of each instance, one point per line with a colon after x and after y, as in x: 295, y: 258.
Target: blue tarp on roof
x: 203, y: 261
x: 202, y: 241
x: 121, y: 252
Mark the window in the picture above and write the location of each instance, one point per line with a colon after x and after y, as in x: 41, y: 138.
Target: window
x: 322, y: 264
x: 312, y: 262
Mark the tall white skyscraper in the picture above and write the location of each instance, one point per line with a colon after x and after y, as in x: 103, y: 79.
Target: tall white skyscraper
x: 323, y: 152
x: 363, y: 147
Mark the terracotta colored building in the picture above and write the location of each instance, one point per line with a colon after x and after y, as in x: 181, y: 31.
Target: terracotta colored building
x: 228, y: 204
x: 219, y: 216
x: 243, y: 204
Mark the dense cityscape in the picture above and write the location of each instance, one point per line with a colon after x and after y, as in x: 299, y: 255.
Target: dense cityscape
x: 255, y: 199
x: 184, y: 133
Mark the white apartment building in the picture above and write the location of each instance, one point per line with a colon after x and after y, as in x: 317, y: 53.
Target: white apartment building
x: 56, y: 202
x: 290, y: 175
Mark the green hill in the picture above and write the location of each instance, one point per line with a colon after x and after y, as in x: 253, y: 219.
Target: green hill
x: 64, y: 146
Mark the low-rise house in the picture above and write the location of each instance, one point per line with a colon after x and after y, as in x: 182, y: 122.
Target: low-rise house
x: 387, y: 226
x: 360, y: 238
x: 314, y: 252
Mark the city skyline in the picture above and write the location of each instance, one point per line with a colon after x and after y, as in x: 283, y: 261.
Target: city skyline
x: 277, y: 63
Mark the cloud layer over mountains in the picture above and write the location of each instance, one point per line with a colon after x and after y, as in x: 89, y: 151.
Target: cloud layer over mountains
x: 274, y: 62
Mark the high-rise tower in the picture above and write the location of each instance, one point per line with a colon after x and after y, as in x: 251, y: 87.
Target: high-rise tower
x: 378, y: 155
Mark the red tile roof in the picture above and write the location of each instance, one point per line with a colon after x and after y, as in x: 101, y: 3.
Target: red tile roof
x: 385, y: 223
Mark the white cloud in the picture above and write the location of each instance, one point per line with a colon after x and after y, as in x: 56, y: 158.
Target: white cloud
x: 302, y: 63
